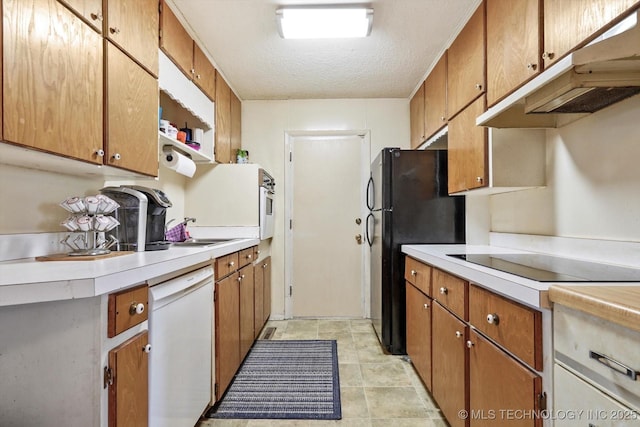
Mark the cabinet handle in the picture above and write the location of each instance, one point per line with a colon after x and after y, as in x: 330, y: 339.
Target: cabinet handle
x: 232, y: 263
x: 479, y: 179
x: 136, y: 308
x: 147, y: 348
x: 614, y: 364
x: 548, y: 55
x: 443, y: 118
x: 264, y: 265
x: 413, y: 272
x: 114, y: 30
x: 478, y: 86
x: 96, y: 16
x: 116, y: 156
x: 242, y: 276
x: 198, y: 76
x: 493, y: 319
x: 444, y: 291
x: 469, y: 344
x: 258, y: 252
x: 240, y: 279
x: 426, y: 306
x: 99, y: 152
x: 458, y: 334
x: 532, y: 66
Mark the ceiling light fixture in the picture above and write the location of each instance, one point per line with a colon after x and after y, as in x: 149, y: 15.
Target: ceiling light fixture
x: 316, y: 22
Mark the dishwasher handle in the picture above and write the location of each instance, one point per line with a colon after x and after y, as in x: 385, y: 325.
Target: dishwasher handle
x: 614, y: 364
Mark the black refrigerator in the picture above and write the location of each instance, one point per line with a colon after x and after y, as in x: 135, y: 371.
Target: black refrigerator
x: 409, y: 203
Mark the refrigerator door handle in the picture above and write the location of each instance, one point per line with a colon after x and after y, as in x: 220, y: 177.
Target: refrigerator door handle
x: 371, y: 201
x: 368, y: 235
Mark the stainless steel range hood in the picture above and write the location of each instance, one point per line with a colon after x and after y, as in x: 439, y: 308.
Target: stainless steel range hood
x: 587, y: 80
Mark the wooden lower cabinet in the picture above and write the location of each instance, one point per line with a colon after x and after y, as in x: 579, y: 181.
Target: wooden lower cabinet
x: 128, y: 392
x: 501, y: 390
x: 227, y: 304
x: 247, y: 333
x: 450, y: 365
x: 419, y: 332
x: 258, y: 299
x: 266, y: 306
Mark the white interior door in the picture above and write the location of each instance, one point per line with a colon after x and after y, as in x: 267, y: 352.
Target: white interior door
x: 326, y: 202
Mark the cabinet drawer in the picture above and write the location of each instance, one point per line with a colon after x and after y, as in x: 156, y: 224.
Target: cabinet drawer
x: 514, y: 326
x: 601, y: 350
x: 126, y: 309
x: 573, y: 395
x: 246, y: 256
x: 418, y: 274
x: 452, y: 292
x: 225, y: 265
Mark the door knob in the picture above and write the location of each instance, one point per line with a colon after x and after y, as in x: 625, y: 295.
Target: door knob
x: 358, y: 221
x: 359, y: 238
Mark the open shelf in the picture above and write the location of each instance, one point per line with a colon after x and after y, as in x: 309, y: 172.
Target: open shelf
x: 195, y: 155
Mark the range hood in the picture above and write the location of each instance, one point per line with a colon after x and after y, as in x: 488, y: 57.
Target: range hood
x: 587, y: 80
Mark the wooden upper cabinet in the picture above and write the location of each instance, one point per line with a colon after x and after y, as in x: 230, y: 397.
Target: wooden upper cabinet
x: 416, y: 117
x: 572, y: 23
x: 53, y: 79
x: 204, y: 74
x: 236, y: 125
x: 466, y: 64
x: 223, y: 121
x: 435, y: 98
x: 467, y: 146
x: 90, y: 10
x: 132, y: 115
x: 134, y: 26
x: 175, y: 42
x: 514, y: 31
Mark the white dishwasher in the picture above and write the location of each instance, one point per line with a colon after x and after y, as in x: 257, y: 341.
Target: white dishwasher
x: 180, y: 334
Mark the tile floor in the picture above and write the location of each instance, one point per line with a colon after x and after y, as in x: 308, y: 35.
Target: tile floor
x: 376, y: 390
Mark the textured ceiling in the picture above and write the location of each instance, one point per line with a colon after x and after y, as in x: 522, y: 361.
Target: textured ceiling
x: 241, y: 38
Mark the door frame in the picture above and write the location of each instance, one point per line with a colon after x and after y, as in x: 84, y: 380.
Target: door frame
x: 365, y: 165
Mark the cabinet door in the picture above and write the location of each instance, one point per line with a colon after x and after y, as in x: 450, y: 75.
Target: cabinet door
x: 227, y: 332
x: 266, y: 265
x: 236, y: 126
x: 223, y: 121
x: 416, y: 117
x: 466, y: 64
x: 572, y: 23
x: 247, y: 333
x: 175, y: 42
x: 134, y: 25
x: 419, y: 332
x: 435, y: 98
x: 204, y: 74
x: 467, y: 159
x: 52, y: 80
x: 90, y: 10
x: 513, y: 45
x: 132, y: 115
x: 497, y: 382
x: 258, y: 299
x: 129, y: 392
x: 450, y: 365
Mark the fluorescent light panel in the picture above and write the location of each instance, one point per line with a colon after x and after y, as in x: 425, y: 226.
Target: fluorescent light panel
x: 315, y: 22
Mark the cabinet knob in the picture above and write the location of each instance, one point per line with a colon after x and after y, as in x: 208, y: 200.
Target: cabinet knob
x: 242, y: 276
x: 239, y: 278
x: 444, y: 290
x: 469, y: 344
x: 425, y: 306
x: 258, y: 252
x: 193, y: 71
x: 136, y: 308
x: 96, y: 16
x: 114, y: 30
x: 198, y: 76
x: 232, y: 263
x: 443, y: 118
x: 493, y: 319
x: 413, y: 272
x: 458, y: 334
x: 147, y: 348
x: 99, y: 152
x: 478, y: 86
x: 249, y: 256
x: 116, y: 156
x: 479, y: 179
x: 264, y: 265
x: 548, y: 55
x: 532, y: 66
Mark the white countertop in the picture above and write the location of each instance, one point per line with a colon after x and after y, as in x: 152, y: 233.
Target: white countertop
x: 26, y: 280
x: 526, y: 291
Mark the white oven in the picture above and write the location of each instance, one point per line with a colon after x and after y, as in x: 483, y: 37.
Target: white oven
x: 267, y: 193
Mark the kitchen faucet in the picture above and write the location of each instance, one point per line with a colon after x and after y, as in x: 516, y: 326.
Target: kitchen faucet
x: 185, y: 222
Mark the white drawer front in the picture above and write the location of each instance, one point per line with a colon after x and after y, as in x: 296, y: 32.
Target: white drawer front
x: 579, y: 404
x: 604, y: 352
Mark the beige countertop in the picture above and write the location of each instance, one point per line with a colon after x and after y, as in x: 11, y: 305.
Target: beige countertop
x: 617, y: 304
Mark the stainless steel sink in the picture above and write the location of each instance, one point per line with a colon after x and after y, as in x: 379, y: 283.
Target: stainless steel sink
x: 200, y: 242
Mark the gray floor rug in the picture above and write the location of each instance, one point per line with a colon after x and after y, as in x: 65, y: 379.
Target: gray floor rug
x: 296, y: 379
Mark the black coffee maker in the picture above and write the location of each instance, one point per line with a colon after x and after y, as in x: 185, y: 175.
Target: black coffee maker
x: 142, y: 217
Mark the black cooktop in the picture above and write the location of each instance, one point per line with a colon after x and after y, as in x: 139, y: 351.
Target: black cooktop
x: 548, y: 268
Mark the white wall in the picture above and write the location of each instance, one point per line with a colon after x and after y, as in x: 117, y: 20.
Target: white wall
x: 264, y: 124
x: 593, y: 181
